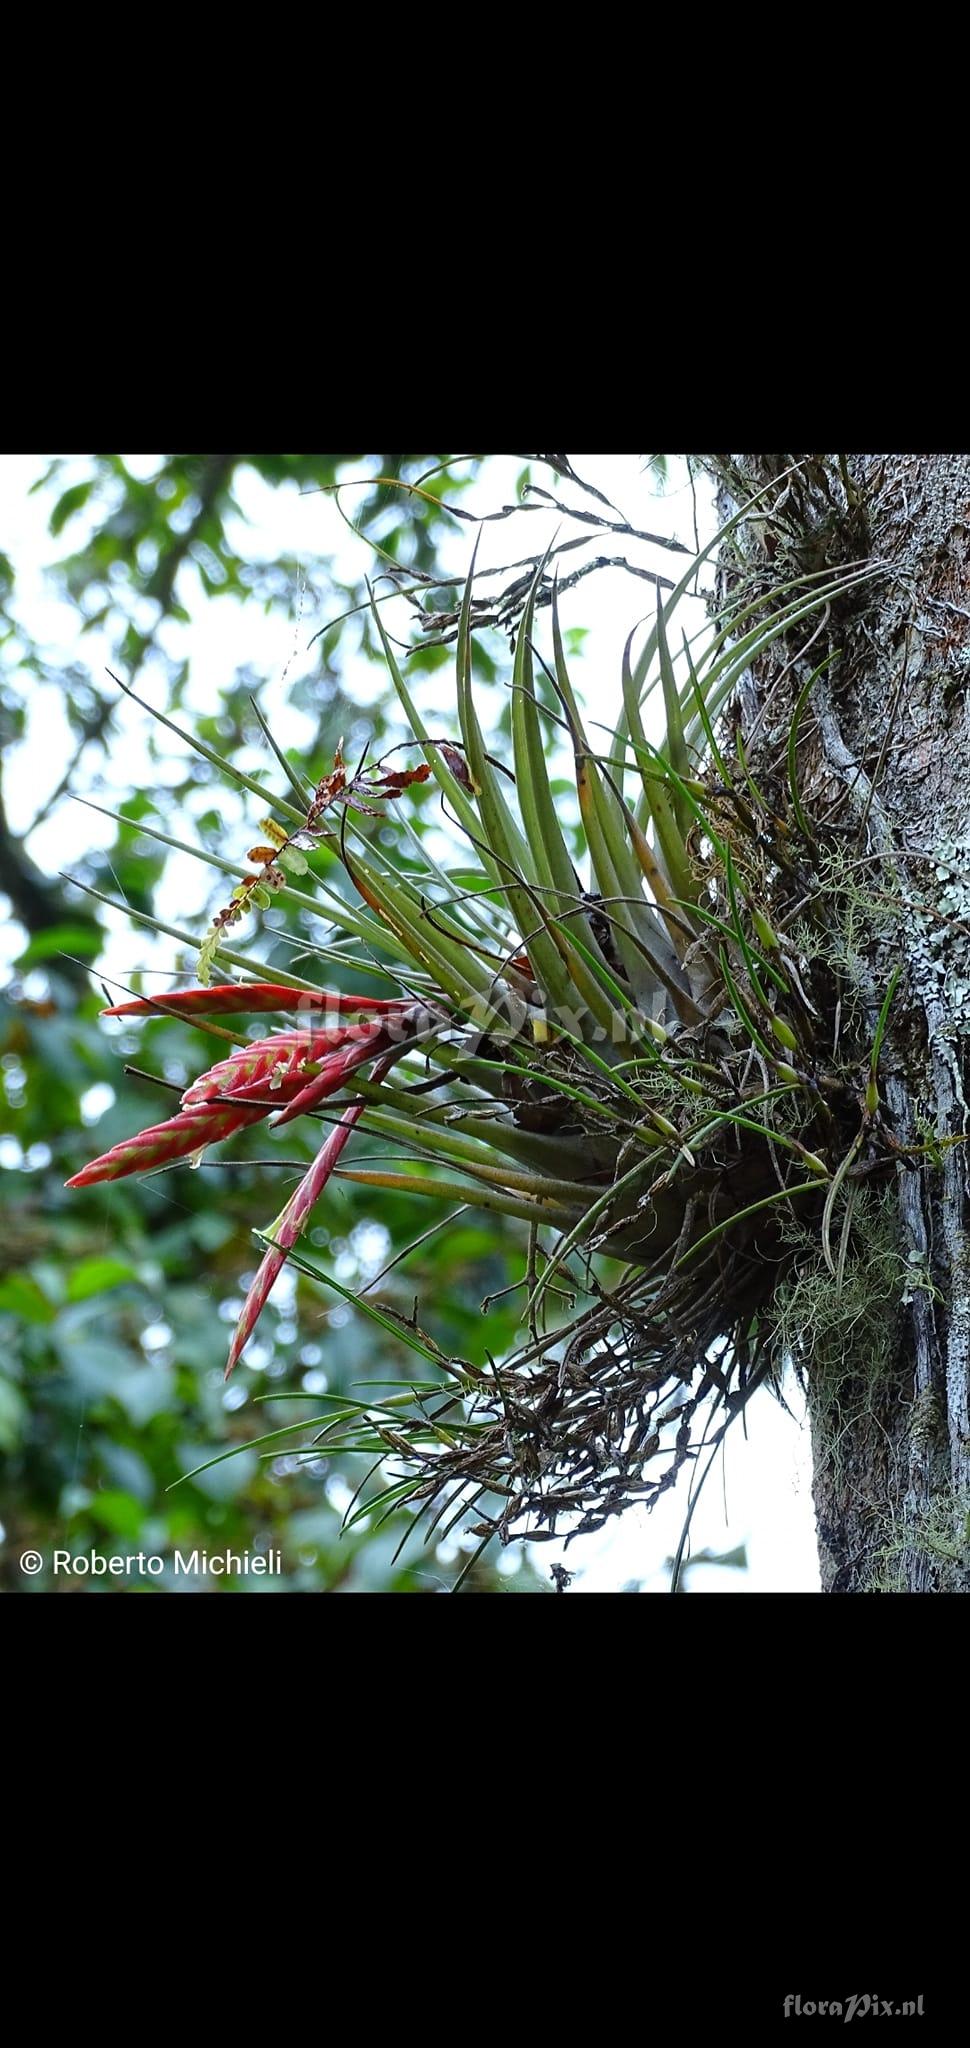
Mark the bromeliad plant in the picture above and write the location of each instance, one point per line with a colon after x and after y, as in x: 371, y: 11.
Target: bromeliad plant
x: 631, y: 1062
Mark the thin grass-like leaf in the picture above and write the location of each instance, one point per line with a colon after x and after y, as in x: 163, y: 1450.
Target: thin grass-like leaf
x: 473, y: 1560
x: 805, y: 1187
x: 252, y: 1444
x: 760, y: 800
x: 301, y: 789
x: 872, y: 1092
x: 582, y: 1231
x: 832, y: 1196
x: 741, y: 1008
x: 674, y: 745
x: 227, y: 768
x: 739, y: 933
x: 642, y: 942
x: 796, y: 717
x: 478, y: 1196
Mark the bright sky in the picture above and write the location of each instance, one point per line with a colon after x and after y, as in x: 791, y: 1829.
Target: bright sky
x: 760, y: 1493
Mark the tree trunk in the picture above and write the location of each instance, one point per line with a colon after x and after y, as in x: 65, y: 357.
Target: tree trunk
x: 883, y: 769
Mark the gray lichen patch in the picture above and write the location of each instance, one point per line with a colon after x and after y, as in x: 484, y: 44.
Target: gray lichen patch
x: 844, y: 1338
x: 936, y: 1539
x: 937, y: 937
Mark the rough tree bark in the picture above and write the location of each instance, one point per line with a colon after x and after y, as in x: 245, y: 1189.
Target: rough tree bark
x: 884, y: 758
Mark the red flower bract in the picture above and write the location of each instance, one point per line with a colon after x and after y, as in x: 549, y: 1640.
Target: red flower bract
x: 204, y: 1123
x: 290, y: 1072
x: 253, y: 996
x: 290, y: 1222
x: 276, y: 1065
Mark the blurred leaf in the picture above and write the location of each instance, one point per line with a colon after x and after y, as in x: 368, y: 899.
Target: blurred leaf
x: 71, y: 501
x: 97, y: 1366
x: 145, y: 1392
x: 13, y: 1415
x: 21, y: 1296
x: 219, y: 1482
x: 97, y: 1276
x: 83, y: 940
x: 119, y: 1512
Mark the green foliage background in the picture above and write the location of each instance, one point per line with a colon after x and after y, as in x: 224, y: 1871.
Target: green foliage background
x: 116, y: 1302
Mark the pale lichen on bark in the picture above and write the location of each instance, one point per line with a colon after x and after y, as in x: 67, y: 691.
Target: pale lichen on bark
x: 889, y: 756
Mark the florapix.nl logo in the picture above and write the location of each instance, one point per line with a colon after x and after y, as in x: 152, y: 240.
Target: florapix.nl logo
x: 860, y: 2005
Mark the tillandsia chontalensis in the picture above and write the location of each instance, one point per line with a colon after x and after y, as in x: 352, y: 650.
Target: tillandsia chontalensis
x: 285, y: 1076
x: 633, y: 1063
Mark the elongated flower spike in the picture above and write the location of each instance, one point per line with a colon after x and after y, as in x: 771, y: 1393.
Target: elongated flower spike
x: 334, y: 1072
x: 205, y: 1123
x: 254, y: 996
x: 269, y: 1065
x: 291, y: 1072
x: 238, y: 1091
x: 290, y: 1222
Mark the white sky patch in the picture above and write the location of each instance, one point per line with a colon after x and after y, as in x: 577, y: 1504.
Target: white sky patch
x: 95, y: 1101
